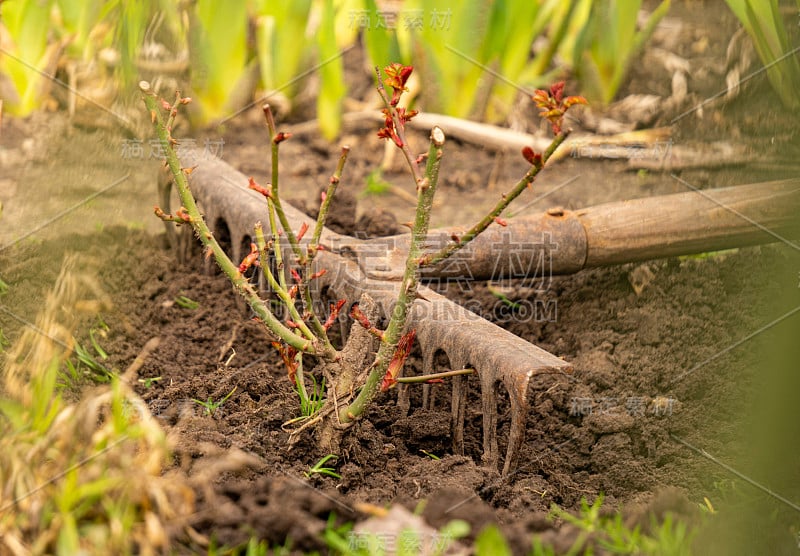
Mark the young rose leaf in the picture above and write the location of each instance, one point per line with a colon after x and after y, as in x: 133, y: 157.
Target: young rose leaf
x: 573, y: 100
x: 358, y: 315
x: 553, y: 106
x: 398, y: 360
x: 388, y: 129
x: 288, y: 354
x: 250, y: 259
x: 396, y: 77
x: 183, y: 214
x: 533, y: 158
x: 335, y: 308
x: 302, y: 231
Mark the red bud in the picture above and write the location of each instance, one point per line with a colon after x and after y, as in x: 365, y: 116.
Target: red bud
x: 288, y: 354
x: 255, y: 187
x: 302, y: 231
x: 398, y: 360
x: 533, y: 158
x: 335, y: 308
x: 250, y: 259
x: 182, y: 214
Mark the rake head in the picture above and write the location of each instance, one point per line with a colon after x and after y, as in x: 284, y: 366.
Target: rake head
x: 355, y: 267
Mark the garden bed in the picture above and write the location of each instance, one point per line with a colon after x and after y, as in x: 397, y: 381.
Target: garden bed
x: 659, y: 349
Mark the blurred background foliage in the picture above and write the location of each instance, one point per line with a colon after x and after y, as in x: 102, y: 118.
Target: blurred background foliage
x: 474, y: 57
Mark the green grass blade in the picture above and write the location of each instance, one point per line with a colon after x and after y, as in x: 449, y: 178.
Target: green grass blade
x: 332, y: 84
x: 219, y: 46
x: 382, y: 44
x: 282, y: 43
x: 28, y: 24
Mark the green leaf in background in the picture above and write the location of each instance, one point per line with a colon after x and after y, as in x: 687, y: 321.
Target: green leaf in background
x: 609, y: 43
x: 576, y: 19
x: 78, y: 19
x: 474, y: 57
x: 29, y: 54
x: 130, y: 21
x: 381, y: 43
x: 218, y: 44
x: 282, y: 43
x: 332, y: 87
x: 448, y: 51
x: 764, y: 24
x: 513, y: 28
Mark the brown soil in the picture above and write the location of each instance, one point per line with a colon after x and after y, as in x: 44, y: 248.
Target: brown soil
x: 606, y: 429
x: 674, y: 362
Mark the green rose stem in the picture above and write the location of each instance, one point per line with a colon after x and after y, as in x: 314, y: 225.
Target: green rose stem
x: 307, y: 334
x: 313, y: 246
x: 242, y: 285
x: 502, y: 204
x: 286, y: 299
x: 408, y: 288
x: 275, y: 140
x: 280, y: 289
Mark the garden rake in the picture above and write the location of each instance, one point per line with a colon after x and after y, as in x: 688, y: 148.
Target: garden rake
x: 557, y: 241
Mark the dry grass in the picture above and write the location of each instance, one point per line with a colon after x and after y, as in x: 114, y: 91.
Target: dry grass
x: 84, y: 477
